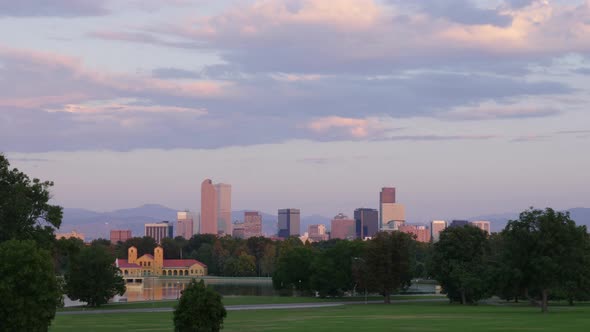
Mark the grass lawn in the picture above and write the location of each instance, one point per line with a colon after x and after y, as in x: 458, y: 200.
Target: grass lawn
x: 243, y: 300
x: 372, y: 317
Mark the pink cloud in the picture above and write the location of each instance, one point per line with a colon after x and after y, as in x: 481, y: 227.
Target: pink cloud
x: 356, y: 128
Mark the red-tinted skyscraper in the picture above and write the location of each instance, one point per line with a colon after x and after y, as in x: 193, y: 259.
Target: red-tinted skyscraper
x: 208, y: 208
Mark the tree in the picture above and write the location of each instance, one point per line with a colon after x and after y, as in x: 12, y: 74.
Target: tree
x: 29, y: 293
x: 332, y: 268
x: 144, y: 245
x: 549, y: 252
x: 268, y: 260
x: 293, y: 269
x: 459, y: 264
x: 24, y: 210
x: 389, y: 260
x: 64, y: 250
x: 93, y: 277
x: 199, y: 309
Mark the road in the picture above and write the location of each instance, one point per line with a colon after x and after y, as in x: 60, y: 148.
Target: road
x: 244, y: 307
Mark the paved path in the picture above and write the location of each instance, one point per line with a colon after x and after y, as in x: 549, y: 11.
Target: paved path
x: 246, y: 307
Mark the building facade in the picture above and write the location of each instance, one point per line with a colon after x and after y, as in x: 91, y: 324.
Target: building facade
x: 208, y: 223
x: 421, y: 233
x: 184, y: 224
x: 119, y: 235
x: 342, y: 227
x: 436, y: 227
x: 483, y: 225
x: 224, y: 222
x: 159, y: 231
x: 459, y: 223
x: 252, y: 224
x: 366, y: 222
x: 391, y: 214
x: 317, y: 233
x: 156, y: 265
x: 289, y: 222
x: 70, y: 235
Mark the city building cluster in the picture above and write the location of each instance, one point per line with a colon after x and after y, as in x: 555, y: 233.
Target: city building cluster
x: 215, y: 218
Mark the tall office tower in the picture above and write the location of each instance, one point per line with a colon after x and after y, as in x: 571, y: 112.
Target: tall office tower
x: 289, y: 221
x: 483, y: 225
x: 437, y: 226
x: 459, y: 223
x: 208, y: 223
x: 391, y: 214
x: 224, y: 222
x: 252, y: 224
x: 184, y: 224
x: 421, y: 233
x: 342, y: 227
x: 159, y: 231
x: 119, y: 235
x: 317, y: 233
x: 366, y: 222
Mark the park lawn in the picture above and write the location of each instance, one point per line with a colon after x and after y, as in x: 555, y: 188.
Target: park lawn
x: 245, y: 300
x: 372, y: 317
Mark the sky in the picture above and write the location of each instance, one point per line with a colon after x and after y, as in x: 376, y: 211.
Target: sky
x: 466, y: 107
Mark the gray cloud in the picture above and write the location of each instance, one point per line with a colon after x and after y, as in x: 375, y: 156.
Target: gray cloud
x: 58, y: 8
x: 460, y: 11
x: 437, y: 137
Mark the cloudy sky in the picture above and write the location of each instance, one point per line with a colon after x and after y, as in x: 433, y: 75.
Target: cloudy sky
x: 468, y: 107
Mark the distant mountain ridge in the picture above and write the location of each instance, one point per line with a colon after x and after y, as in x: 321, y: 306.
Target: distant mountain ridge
x: 98, y: 224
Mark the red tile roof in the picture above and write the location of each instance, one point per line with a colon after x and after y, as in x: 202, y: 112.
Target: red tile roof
x: 181, y: 263
x: 124, y: 263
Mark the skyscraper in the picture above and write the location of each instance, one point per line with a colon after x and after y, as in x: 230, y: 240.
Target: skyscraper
x: 437, y: 226
x: 316, y: 233
x: 459, y: 223
x: 184, y: 224
x: 289, y: 220
x: 159, y: 231
x: 483, y: 225
x: 252, y: 224
x: 366, y: 222
x: 391, y: 214
x: 120, y: 235
x: 208, y: 223
x: 342, y: 227
x: 420, y: 232
x: 224, y: 222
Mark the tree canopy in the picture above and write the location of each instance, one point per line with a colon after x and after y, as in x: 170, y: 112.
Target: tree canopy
x: 389, y: 262
x: 93, y: 278
x: 25, y: 213
x: 199, y: 309
x: 458, y: 263
x: 29, y: 293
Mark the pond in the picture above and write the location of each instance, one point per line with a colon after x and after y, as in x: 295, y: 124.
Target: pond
x: 150, y: 289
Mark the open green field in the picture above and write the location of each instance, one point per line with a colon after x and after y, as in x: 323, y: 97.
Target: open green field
x: 373, y: 317
x: 244, y: 300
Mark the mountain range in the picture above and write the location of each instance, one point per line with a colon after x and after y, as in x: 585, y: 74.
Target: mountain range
x: 98, y: 224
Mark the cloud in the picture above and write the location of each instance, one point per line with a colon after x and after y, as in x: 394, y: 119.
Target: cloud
x: 491, y: 111
x: 364, y: 36
x: 437, y: 137
x: 58, y: 8
x: 460, y: 11
x: 355, y: 128
x: 530, y: 138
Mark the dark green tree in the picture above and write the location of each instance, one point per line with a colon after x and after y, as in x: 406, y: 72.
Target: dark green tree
x: 268, y: 260
x: 144, y: 245
x: 64, y: 250
x: 25, y: 213
x: 29, y: 293
x: 93, y: 277
x: 200, y: 309
x: 293, y: 270
x: 459, y: 263
x: 389, y: 261
x: 549, y: 253
x: 332, y: 268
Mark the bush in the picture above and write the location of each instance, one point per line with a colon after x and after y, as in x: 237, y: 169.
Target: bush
x: 199, y: 310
